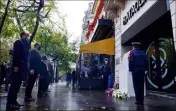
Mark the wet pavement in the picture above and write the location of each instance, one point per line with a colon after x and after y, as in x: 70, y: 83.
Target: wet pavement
x: 64, y: 98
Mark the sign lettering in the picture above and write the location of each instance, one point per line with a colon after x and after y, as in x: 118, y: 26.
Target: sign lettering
x: 134, y: 9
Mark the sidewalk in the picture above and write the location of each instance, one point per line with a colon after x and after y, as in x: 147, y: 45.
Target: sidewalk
x: 63, y: 98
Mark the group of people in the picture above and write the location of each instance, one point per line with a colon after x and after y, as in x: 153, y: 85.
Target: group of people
x: 71, y: 78
x: 5, y: 70
x: 27, y: 65
x: 100, y: 71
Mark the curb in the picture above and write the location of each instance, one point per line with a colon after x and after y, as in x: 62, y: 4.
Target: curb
x: 161, y: 95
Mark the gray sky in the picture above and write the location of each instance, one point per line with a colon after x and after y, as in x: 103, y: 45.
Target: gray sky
x: 74, y: 11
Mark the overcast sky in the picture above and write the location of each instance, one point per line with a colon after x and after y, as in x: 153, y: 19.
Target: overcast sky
x: 74, y: 11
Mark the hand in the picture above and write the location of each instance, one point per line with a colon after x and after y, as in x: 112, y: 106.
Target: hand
x: 15, y: 69
x: 32, y: 71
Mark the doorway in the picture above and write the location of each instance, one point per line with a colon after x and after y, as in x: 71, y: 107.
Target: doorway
x: 160, y: 75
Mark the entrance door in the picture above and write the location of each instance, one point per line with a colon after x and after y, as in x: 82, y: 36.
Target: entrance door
x: 160, y: 76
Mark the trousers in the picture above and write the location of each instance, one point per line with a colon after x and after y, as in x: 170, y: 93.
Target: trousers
x: 30, y: 84
x: 138, y: 83
x: 14, y: 88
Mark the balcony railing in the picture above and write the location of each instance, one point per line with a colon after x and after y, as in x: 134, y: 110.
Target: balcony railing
x: 113, y: 4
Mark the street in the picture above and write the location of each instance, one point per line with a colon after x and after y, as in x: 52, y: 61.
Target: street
x: 64, y: 98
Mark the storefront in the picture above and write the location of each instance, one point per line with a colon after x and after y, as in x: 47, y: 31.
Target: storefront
x: 101, y: 49
x: 149, y: 22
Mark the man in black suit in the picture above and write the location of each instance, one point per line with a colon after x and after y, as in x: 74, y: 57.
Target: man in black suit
x: 35, y: 63
x: 44, y: 77
x: 51, y: 71
x: 73, y: 78
x: 19, y: 70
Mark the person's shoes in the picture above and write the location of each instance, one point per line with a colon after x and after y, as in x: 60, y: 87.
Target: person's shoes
x: 17, y: 104
x: 139, y: 103
x: 39, y: 95
x: 29, y: 99
x: 12, y: 107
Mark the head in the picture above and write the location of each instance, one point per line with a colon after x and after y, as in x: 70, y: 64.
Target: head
x: 25, y: 36
x: 106, y: 61
x: 4, y: 63
x: 37, y: 46
x: 44, y: 58
x: 136, y: 45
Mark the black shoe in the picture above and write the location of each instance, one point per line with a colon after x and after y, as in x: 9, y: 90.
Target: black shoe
x: 139, y: 103
x: 17, y: 104
x: 29, y: 99
x: 12, y: 107
x: 39, y: 95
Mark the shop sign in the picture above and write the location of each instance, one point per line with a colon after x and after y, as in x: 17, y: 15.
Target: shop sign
x: 134, y: 9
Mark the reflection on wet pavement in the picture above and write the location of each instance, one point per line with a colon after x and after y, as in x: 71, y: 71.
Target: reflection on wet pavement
x: 64, y: 98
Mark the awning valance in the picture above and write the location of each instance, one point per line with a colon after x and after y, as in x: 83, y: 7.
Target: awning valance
x: 106, y: 46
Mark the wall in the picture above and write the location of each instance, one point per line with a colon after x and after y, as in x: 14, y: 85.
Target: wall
x: 120, y: 29
x: 173, y: 15
x: 128, y: 4
x: 117, y: 22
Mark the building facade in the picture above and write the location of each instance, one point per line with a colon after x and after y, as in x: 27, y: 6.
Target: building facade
x: 87, y: 20
x: 151, y: 22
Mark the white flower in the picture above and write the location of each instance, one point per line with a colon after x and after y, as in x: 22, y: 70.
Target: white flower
x: 121, y: 94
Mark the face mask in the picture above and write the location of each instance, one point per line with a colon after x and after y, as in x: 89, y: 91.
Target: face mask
x: 28, y: 39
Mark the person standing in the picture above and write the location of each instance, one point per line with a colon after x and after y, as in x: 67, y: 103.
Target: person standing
x: 73, y: 78
x: 107, y: 72
x: 3, y: 71
x: 68, y: 78
x: 138, y: 63
x: 35, y: 63
x: 44, y: 77
x: 9, y: 70
x: 19, y: 69
x: 51, y: 71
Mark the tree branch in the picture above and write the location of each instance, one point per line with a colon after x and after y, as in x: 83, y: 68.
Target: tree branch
x: 36, y: 26
x: 18, y: 22
x: 37, y: 20
x: 4, y: 16
x: 46, y: 15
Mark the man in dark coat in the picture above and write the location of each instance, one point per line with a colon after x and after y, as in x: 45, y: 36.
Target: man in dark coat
x: 51, y: 71
x: 44, y: 77
x: 9, y: 70
x: 19, y: 69
x: 138, y: 63
x: 106, y: 73
x: 35, y: 63
x: 73, y: 78
x: 3, y: 71
x: 68, y: 78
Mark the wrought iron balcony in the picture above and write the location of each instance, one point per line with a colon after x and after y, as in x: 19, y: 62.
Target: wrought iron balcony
x: 110, y: 5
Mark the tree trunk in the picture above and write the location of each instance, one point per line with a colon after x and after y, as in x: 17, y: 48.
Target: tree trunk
x: 4, y: 16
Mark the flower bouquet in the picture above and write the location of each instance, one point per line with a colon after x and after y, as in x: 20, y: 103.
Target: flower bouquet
x: 121, y: 94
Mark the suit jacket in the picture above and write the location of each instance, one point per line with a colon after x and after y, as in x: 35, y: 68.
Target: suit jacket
x: 51, y: 71
x: 20, y: 59
x: 35, y: 61
x: 138, y: 60
x: 44, y: 72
